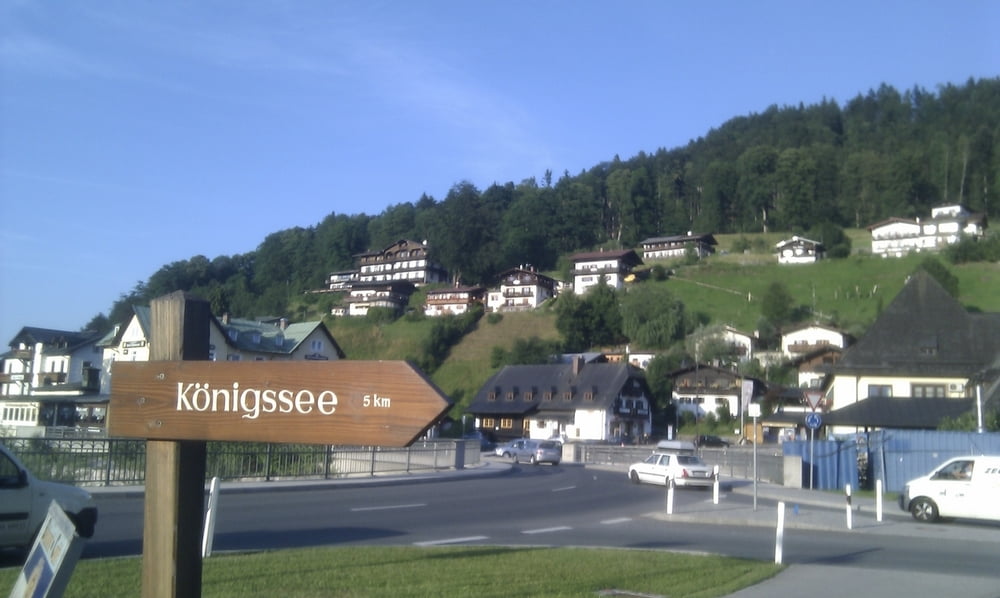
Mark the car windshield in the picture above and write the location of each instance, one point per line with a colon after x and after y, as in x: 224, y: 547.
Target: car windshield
x: 547, y: 445
x: 689, y: 460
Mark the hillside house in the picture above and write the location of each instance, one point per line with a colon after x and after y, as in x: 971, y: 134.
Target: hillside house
x: 702, y: 389
x: 923, y: 352
x: 404, y: 260
x: 799, y: 250
x: 677, y: 246
x: 896, y: 237
x: 521, y: 289
x: 807, y: 338
x: 453, y: 300
x: 364, y: 296
x: 612, y: 266
x: 577, y: 401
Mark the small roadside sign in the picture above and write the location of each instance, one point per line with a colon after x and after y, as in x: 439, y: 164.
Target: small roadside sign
x: 813, y: 397
x: 813, y: 421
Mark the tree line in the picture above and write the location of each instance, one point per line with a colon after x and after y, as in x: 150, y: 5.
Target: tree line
x: 807, y: 168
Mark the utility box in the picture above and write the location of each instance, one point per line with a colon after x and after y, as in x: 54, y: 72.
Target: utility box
x: 792, y: 471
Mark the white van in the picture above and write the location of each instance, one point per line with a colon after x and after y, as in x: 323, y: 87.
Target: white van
x: 962, y: 487
x: 24, y: 503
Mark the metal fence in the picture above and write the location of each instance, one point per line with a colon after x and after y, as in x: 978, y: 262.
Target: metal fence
x: 733, y: 461
x: 115, y: 462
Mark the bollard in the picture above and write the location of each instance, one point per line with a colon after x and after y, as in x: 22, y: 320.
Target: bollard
x: 670, y: 495
x: 779, y: 533
x: 878, y: 500
x: 208, y: 533
x: 850, y: 514
x: 715, y: 485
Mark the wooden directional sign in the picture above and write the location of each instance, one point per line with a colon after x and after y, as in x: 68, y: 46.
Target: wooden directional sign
x: 386, y: 403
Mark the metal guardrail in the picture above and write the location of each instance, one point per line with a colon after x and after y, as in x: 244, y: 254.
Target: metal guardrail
x: 116, y: 462
x: 734, y: 461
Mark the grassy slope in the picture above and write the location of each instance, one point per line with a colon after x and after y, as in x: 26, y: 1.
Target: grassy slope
x: 726, y: 288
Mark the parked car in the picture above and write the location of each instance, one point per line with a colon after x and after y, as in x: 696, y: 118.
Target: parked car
x: 961, y: 487
x: 24, y: 503
x: 686, y: 470
x: 708, y: 440
x: 531, y: 451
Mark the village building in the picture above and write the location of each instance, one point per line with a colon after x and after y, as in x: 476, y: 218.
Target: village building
x: 612, y: 266
x: 678, y: 246
x: 896, y: 237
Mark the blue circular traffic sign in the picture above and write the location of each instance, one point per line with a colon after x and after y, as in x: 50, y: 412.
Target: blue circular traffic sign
x: 814, y: 421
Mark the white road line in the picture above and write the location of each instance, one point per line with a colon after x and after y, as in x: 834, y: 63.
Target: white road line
x: 451, y: 541
x: 616, y: 521
x: 546, y: 530
x: 388, y: 507
x: 564, y: 489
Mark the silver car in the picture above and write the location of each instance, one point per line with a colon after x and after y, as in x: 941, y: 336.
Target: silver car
x: 686, y: 470
x: 531, y: 451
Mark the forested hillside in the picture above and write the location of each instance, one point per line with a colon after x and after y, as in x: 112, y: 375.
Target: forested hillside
x: 817, y: 169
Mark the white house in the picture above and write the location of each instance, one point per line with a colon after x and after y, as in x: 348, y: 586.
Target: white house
x: 366, y: 295
x: 521, y: 289
x: 453, y: 300
x: 799, y: 250
x: 895, y: 237
x: 404, y: 260
x: 809, y: 337
x: 613, y: 266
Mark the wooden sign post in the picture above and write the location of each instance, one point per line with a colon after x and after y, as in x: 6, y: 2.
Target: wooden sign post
x: 178, y: 404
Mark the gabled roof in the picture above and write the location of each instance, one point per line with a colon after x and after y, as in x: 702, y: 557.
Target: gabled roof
x: 628, y: 256
x: 55, y: 341
x: 796, y: 240
x: 604, y: 382
x: 925, y: 331
x: 893, y: 220
x: 898, y: 412
x: 268, y: 334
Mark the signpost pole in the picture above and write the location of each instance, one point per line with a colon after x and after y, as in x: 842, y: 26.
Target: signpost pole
x: 175, y: 470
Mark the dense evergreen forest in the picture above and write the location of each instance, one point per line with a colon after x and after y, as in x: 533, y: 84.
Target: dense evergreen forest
x: 790, y: 168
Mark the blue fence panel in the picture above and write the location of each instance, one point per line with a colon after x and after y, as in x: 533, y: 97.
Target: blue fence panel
x: 898, y: 456
x: 834, y: 463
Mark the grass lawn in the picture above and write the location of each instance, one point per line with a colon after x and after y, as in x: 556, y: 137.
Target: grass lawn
x: 452, y: 571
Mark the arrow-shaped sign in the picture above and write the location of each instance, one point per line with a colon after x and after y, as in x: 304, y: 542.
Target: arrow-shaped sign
x: 385, y: 403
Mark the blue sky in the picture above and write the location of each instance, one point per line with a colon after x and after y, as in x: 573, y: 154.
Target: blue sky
x: 136, y: 134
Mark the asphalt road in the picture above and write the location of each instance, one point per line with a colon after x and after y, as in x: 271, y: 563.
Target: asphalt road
x: 573, y: 505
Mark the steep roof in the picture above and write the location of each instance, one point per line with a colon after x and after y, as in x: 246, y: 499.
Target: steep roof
x: 628, y: 256
x: 925, y: 331
x: 591, y: 386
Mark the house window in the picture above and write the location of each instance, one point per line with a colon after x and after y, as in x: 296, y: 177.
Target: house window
x: 879, y: 390
x: 488, y: 422
x: 567, y: 396
x: 927, y: 391
x: 510, y: 395
x: 506, y: 423
x: 588, y: 396
x: 317, y: 346
x: 233, y: 357
x: 547, y: 396
x: 492, y: 396
x: 529, y: 395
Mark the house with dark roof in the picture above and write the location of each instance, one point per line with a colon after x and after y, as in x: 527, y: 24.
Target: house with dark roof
x: 577, y: 401
x: 45, y: 375
x: 453, y: 301
x: 702, y: 389
x: 924, y: 346
x: 612, y: 266
x: 799, y: 250
x: 521, y: 289
x: 404, y: 260
x: 677, y: 246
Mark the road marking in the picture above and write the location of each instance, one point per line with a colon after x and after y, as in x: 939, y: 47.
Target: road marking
x: 616, y: 521
x: 546, y: 530
x: 564, y: 489
x: 388, y: 507
x: 451, y: 541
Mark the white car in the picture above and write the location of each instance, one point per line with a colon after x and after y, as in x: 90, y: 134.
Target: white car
x: 686, y: 470
x: 24, y: 503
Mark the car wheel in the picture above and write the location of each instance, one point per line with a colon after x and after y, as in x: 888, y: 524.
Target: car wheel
x: 516, y: 460
x: 924, y: 509
x: 506, y: 455
x: 632, y: 475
